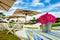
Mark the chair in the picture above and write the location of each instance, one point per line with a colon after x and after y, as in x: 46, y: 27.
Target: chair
x: 8, y: 28
x: 1, y: 27
x: 16, y: 27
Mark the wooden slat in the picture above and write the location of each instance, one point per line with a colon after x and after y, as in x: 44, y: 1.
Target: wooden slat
x: 4, y: 7
x: 6, y: 4
x: 1, y: 8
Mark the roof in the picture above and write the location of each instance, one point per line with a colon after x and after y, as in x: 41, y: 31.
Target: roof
x: 25, y: 12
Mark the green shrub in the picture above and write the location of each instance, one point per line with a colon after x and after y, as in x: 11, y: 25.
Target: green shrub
x: 12, y: 21
x: 53, y: 25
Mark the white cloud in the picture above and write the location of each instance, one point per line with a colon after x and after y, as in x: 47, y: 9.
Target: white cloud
x: 38, y: 15
x: 36, y: 2
x: 10, y: 11
x: 47, y: 1
x: 18, y: 1
x: 38, y: 10
x: 13, y: 8
x: 4, y: 12
x: 57, y: 14
x: 51, y: 7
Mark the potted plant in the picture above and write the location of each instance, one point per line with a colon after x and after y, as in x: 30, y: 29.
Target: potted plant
x: 46, y: 20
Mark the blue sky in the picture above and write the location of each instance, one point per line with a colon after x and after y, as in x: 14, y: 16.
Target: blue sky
x: 38, y: 5
x: 52, y: 6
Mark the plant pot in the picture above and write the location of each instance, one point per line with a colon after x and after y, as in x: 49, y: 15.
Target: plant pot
x: 47, y: 27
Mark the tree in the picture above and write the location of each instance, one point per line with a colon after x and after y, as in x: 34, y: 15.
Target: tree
x: 34, y: 20
x: 1, y: 14
x: 58, y: 20
x: 12, y: 21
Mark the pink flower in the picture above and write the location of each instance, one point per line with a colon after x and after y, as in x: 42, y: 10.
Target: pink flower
x: 46, y: 18
x: 50, y: 18
x: 42, y: 19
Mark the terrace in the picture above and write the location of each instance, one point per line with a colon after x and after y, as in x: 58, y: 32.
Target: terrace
x: 22, y: 29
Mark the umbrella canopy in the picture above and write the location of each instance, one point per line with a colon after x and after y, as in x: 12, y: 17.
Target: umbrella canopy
x: 26, y: 12
x: 6, y: 4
